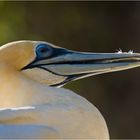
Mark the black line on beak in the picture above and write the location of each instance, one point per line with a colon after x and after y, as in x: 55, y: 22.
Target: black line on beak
x: 69, y: 78
x: 127, y: 59
x: 93, y: 61
x: 56, y: 52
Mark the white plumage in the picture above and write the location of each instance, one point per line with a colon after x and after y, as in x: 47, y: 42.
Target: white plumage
x: 32, y: 108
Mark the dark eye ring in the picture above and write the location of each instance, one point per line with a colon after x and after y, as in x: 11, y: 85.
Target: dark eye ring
x: 43, y: 51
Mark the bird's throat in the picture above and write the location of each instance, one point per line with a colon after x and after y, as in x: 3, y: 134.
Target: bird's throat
x: 16, y: 90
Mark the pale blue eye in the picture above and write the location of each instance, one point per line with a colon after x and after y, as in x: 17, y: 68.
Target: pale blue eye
x: 43, y: 51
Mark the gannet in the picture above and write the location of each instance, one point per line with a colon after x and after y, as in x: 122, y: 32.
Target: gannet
x: 32, y: 105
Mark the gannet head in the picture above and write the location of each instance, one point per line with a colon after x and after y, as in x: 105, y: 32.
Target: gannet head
x: 55, y: 66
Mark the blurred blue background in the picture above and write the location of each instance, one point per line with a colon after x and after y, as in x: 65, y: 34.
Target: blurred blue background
x: 87, y: 26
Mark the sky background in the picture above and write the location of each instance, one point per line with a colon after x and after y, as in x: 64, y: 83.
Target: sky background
x: 92, y: 27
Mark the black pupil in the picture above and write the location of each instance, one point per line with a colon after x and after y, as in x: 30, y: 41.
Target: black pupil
x: 42, y: 50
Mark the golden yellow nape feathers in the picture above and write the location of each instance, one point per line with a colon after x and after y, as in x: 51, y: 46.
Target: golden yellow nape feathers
x: 32, y: 105
x: 19, y: 53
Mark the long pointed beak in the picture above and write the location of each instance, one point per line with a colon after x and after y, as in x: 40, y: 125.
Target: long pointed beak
x: 80, y: 63
x: 76, y: 65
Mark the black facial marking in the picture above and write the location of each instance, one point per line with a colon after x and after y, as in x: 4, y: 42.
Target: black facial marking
x: 44, y: 51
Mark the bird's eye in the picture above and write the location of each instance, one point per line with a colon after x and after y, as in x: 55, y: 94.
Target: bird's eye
x: 43, y: 51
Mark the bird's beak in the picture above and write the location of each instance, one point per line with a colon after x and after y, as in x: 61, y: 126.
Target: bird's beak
x: 76, y: 65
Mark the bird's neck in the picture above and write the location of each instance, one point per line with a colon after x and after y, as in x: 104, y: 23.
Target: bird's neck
x: 17, y: 90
